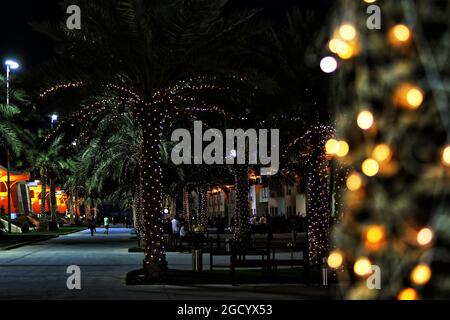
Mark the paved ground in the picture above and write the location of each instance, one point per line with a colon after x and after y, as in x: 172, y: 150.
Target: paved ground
x: 38, y: 271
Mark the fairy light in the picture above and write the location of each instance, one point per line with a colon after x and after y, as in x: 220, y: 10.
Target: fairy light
x: 362, y: 267
x: 59, y: 87
x: 318, y: 191
x: 328, y: 64
x: 382, y: 153
x: 446, y: 156
x: 365, y: 120
x: 347, y: 32
x: 425, y: 236
x: 346, y: 52
x: 335, y: 259
x: 399, y: 34
x: 375, y: 235
x: 370, y: 167
x: 408, y: 294
x: 242, y: 213
x: 337, y: 45
x: 354, y: 182
x: 414, y: 97
x: 332, y: 146
x: 409, y: 96
x: 421, y: 274
x: 343, y: 149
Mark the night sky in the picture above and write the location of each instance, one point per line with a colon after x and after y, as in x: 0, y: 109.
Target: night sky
x: 20, y: 41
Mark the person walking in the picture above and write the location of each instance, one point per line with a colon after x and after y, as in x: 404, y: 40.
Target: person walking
x: 175, y: 231
x: 91, y: 224
x: 106, y: 224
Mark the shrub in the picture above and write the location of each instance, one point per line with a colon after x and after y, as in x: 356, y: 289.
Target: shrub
x: 25, y: 227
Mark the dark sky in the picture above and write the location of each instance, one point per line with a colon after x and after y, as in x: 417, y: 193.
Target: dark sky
x: 19, y: 40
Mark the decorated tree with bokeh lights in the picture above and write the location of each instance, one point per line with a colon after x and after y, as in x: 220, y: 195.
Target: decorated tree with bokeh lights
x: 392, y: 111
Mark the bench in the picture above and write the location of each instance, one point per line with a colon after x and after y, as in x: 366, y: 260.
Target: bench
x: 267, y: 261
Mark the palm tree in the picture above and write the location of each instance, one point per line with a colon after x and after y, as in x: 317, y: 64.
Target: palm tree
x: 51, y: 163
x: 158, y: 57
x: 14, y: 140
x: 302, y: 93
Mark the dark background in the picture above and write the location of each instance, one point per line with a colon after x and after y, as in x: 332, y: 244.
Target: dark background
x: 29, y: 47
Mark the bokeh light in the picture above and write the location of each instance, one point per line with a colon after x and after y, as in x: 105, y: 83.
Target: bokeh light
x: 408, y: 294
x: 347, y: 32
x: 335, y: 259
x: 343, y: 149
x: 328, y: 64
x: 425, y: 236
x: 354, y: 182
x: 332, y: 146
x: 362, y: 267
x: 382, y: 153
x: 414, y: 97
x: 365, y: 120
x: 446, y: 156
x: 370, y: 167
x: 375, y: 234
x: 421, y: 274
x: 399, y: 35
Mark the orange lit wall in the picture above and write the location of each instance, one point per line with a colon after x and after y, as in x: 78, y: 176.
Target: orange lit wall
x: 14, y: 178
x: 35, y: 197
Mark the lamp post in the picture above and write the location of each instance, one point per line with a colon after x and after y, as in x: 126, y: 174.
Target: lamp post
x: 10, y: 65
x: 53, y: 119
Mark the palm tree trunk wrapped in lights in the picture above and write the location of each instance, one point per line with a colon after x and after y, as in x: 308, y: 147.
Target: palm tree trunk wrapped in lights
x: 137, y: 211
x: 319, y: 206
x: 186, y: 205
x: 202, y: 214
x: 151, y: 179
x: 242, y: 212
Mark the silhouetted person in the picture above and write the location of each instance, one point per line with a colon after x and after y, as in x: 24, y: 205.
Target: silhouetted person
x: 106, y: 224
x: 91, y: 224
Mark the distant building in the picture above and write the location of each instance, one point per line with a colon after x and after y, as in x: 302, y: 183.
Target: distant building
x: 286, y: 200
x: 26, y: 196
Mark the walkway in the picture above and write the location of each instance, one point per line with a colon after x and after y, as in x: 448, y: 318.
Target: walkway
x: 38, y: 271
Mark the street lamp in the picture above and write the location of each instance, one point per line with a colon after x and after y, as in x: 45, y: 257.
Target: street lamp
x: 10, y: 65
x: 53, y: 119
